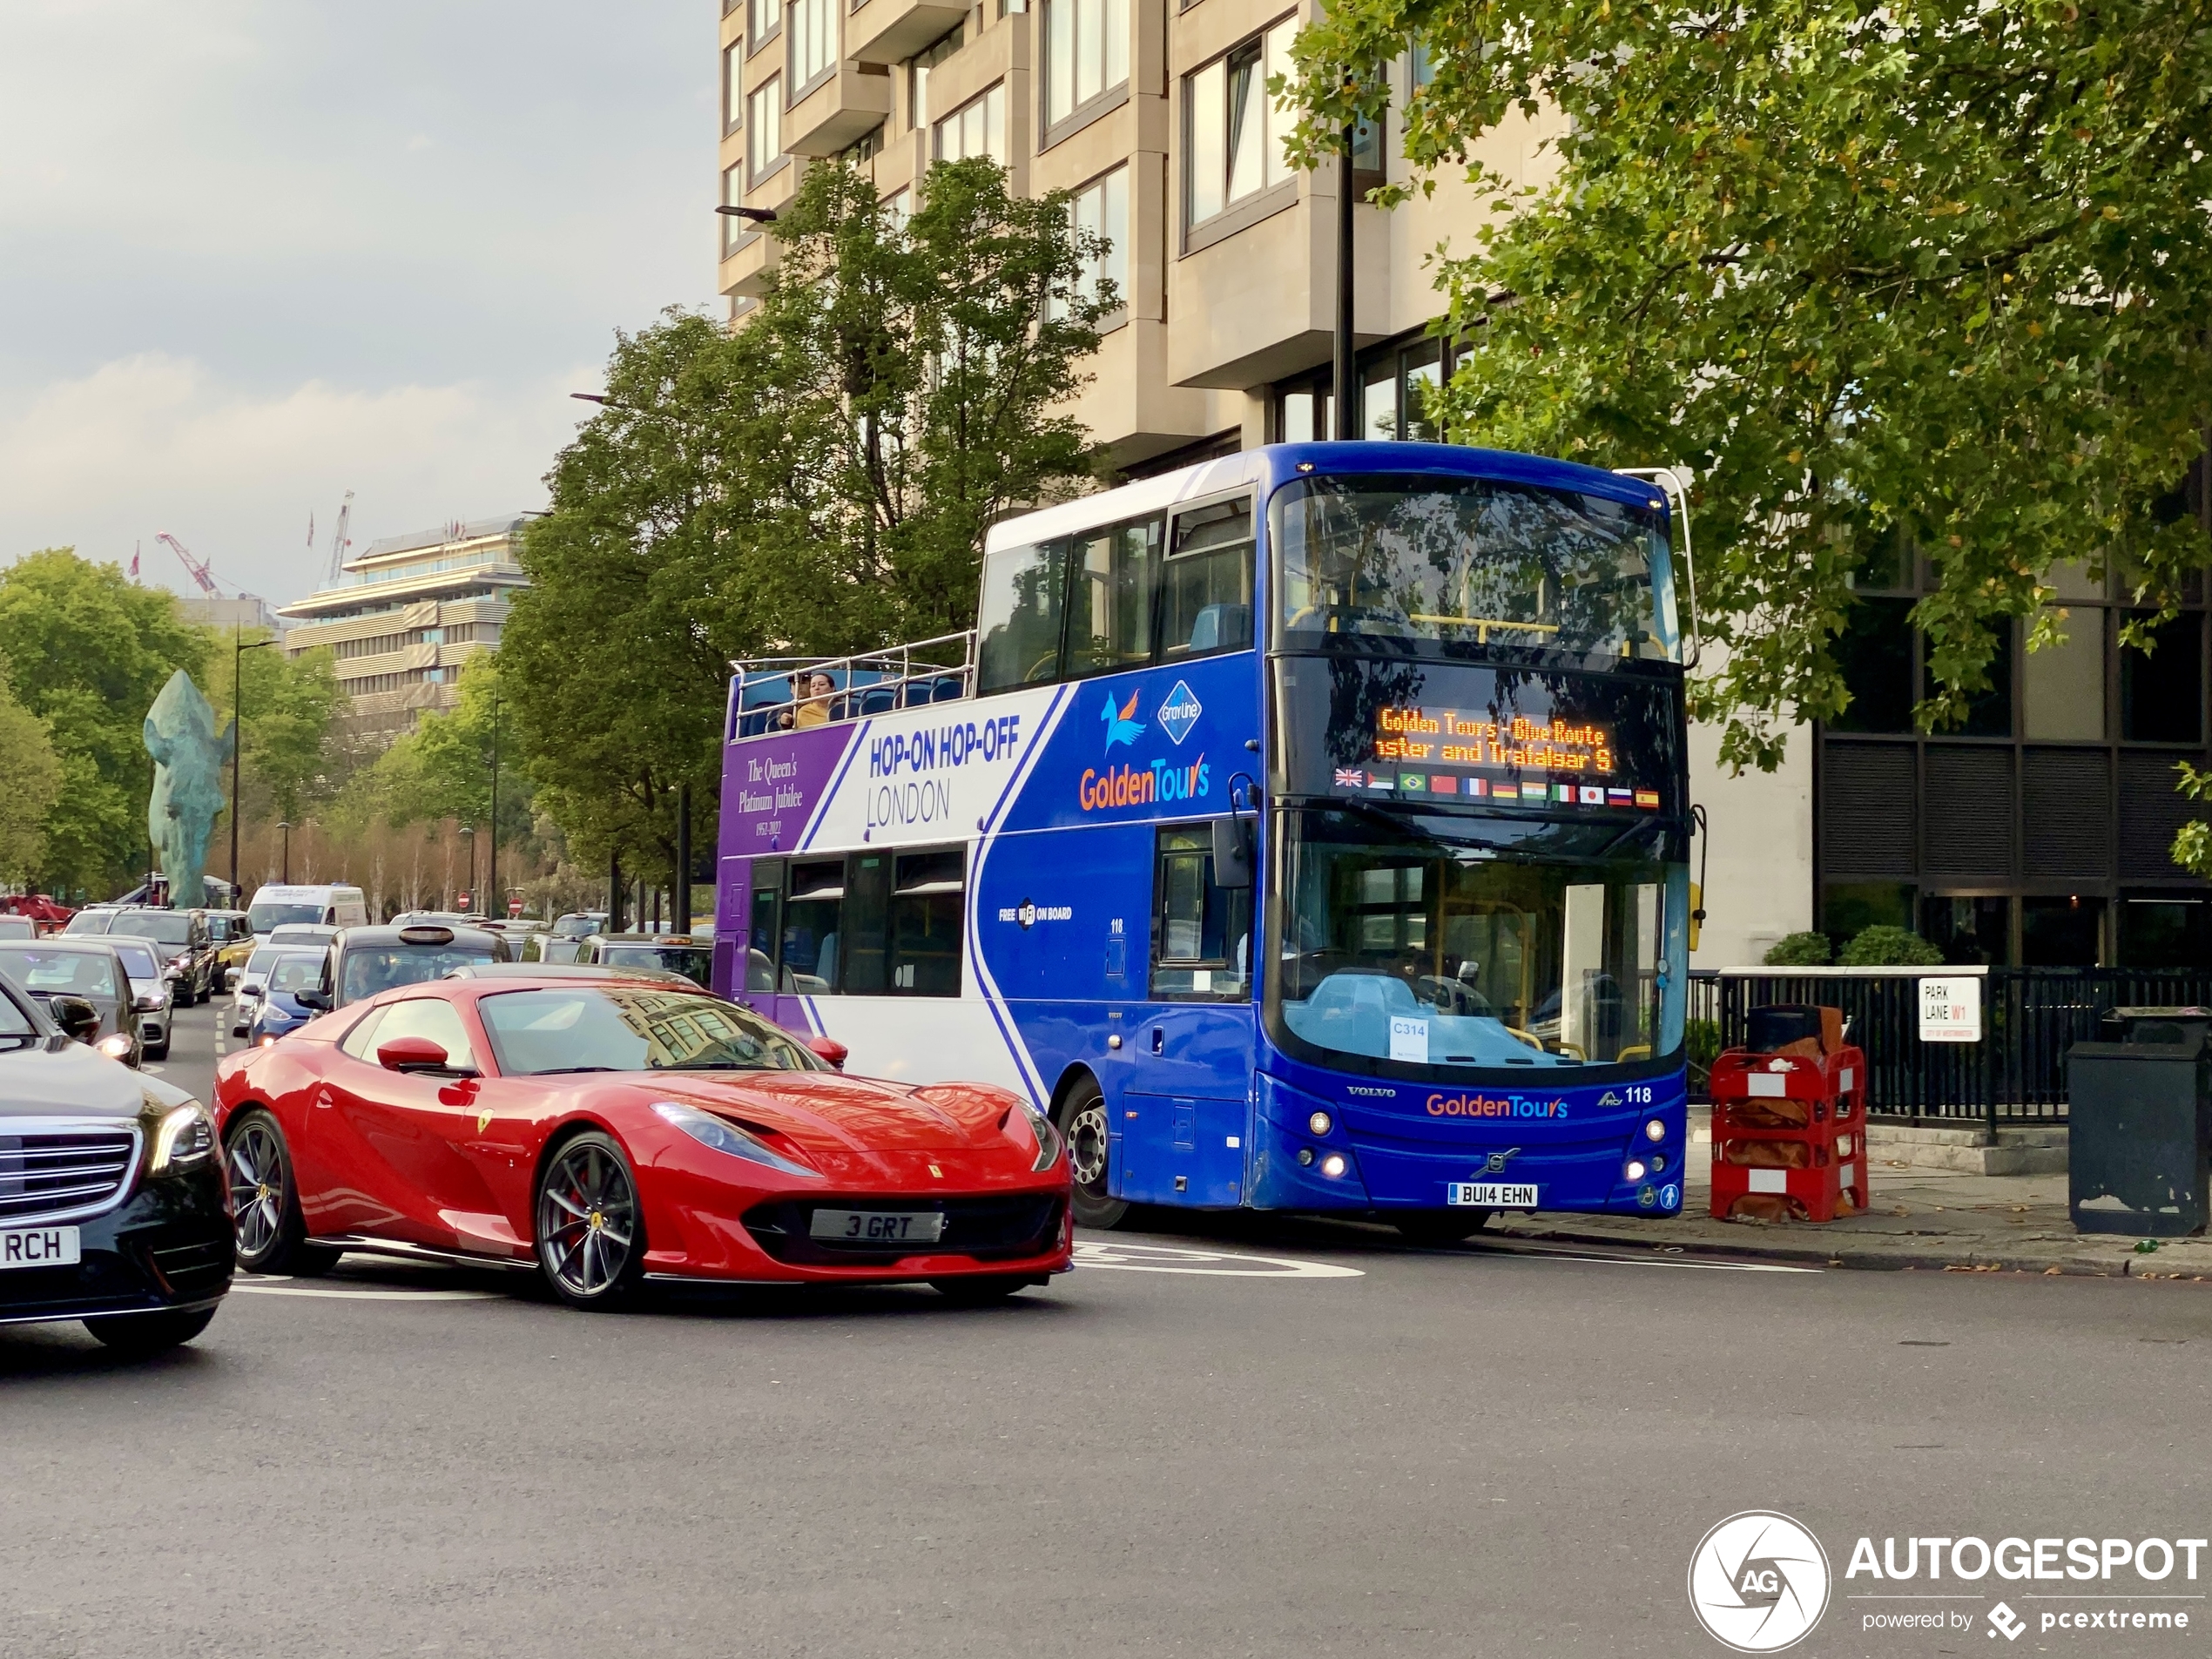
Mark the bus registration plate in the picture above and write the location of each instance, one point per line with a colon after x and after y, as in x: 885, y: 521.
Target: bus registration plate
x: 1493, y: 1194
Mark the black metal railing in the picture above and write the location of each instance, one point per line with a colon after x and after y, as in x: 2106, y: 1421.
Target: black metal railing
x: 2016, y: 1075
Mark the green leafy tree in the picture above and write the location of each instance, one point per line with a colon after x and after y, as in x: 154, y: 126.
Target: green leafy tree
x: 291, y: 703
x: 1932, y: 270
x: 1798, y: 950
x: 31, y: 782
x: 1884, y: 945
x: 819, y: 482
x: 87, y: 653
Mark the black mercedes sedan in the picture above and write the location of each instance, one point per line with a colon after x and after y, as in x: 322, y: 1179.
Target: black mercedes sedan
x: 113, y: 1207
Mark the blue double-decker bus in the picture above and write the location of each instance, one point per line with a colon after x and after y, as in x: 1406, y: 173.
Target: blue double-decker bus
x: 1305, y: 829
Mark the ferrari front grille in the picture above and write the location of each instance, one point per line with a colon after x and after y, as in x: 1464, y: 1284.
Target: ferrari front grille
x: 1001, y: 1229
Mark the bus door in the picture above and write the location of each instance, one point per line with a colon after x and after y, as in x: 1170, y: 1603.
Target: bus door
x: 1185, y: 1113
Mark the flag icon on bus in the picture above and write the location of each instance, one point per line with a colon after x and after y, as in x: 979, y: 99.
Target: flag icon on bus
x: 1351, y: 778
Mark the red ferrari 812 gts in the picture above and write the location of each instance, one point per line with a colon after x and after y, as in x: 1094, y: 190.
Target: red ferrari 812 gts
x: 613, y: 1130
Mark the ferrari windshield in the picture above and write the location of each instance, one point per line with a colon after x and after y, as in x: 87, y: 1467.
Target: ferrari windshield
x: 1461, y: 942
x: 1423, y: 556
x: 631, y: 1028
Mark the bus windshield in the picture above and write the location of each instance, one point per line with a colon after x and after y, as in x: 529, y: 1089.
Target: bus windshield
x: 1456, y: 941
x: 1422, y: 556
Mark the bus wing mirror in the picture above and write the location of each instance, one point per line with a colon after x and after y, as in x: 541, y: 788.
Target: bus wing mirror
x: 1233, y: 851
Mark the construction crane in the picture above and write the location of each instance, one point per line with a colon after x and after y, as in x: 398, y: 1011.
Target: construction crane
x: 338, y: 542
x: 200, y: 573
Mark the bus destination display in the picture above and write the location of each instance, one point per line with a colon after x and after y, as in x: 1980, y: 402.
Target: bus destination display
x: 1440, y: 751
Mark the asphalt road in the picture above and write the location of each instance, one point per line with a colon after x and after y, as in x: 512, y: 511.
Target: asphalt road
x: 1280, y: 1439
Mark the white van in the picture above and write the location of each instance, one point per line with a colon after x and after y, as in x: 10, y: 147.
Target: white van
x: 273, y: 906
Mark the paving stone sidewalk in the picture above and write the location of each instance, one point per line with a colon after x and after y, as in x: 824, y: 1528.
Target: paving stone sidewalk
x: 1926, y: 1219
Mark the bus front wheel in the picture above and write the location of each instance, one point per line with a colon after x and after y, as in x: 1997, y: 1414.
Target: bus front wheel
x: 1082, y: 1125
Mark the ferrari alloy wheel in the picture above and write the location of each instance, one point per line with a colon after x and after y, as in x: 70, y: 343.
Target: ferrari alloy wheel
x: 265, y: 1205
x: 1437, y: 1227
x: 1082, y: 1125
x: 591, y: 1237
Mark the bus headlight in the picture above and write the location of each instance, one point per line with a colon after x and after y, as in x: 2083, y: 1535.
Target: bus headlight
x: 1320, y: 1123
x: 1634, y: 1171
x: 1333, y: 1166
x: 1655, y: 1131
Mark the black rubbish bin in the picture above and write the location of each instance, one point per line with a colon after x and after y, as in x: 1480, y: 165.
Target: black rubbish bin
x: 2140, y: 1113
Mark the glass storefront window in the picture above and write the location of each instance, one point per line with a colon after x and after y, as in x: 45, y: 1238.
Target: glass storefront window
x: 1848, y: 908
x: 1968, y: 930
x: 2165, y: 933
x: 1400, y: 943
x: 2061, y: 933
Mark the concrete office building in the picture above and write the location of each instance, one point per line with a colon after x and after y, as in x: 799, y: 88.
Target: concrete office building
x: 412, y: 610
x: 2036, y: 835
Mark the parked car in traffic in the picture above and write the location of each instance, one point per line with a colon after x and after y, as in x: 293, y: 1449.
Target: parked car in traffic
x: 570, y: 932
x: 87, y: 970
x: 363, y: 962
x: 277, y: 1010
x: 153, y: 993
x: 113, y: 1211
x: 15, y: 927
x: 183, y: 939
x: 232, y: 933
x: 589, y: 1118
x: 672, y: 953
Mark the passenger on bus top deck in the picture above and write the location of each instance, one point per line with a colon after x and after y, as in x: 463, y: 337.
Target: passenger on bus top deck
x: 812, y: 694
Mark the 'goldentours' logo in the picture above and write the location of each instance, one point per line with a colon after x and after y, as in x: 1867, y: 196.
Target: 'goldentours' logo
x: 1492, y: 1106
x: 1758, y: 1582
x: 1179, y: 713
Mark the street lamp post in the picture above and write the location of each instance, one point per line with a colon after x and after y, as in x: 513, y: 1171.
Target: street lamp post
x: 1347, y: 421
x: 286, y: 829
x: 239, y: 648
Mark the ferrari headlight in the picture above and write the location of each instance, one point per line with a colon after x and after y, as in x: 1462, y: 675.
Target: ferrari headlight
x: 1047, y: 1136
x: 183, y: 1138
x: 725, y: 1136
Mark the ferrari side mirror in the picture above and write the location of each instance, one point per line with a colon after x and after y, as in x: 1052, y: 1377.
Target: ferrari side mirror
x: 829, y: 1048
x: 411, y: 1054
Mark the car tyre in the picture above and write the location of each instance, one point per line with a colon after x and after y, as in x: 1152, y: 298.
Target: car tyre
x: 140, y: 1336
x: 265, y: 1202
x: 1440, y: 1227
x: 1082, y: 1124
x: 590, y: 1225
x: 982, y: 1289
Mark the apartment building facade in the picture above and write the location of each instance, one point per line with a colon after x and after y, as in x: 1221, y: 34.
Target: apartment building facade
x: 412, y: 610
x: 2036, y: 835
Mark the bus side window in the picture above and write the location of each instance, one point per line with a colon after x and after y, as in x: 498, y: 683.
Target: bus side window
x: 812, y: 914
x: 866, y: 921
x: 927, y: 900
x: 1206, y: 586
x: 1019, y: 619
x: 767, y: 930
x: 1111, y: 575
x: 1201, y: 931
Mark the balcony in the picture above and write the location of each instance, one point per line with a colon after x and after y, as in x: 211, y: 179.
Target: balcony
x: 850, y: 103
x: 885, y: 32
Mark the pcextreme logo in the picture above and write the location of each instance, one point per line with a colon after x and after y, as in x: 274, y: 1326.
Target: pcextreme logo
x: 1758, y: 1581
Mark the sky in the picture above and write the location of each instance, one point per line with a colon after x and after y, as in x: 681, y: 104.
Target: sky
x: 256, y: 254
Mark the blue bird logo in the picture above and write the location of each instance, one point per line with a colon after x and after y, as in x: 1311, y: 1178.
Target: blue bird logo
x: 1120, y: 727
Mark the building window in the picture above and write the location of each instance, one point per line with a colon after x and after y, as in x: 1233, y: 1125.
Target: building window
x: 897, y: 208
x: 763, y: 19
x: 763, y: 138
x: 1234, y: 132
x: 918, y: 76
x: 1102, y: 208
x: 977, y: 128
x: 2062, y: 687
x: 732, y: 85
x: 1874, y: 654
x: 734, y: 230
x: 1396, y: 382
x: 2161, y: 694
x: 812, y: 46
x: 1086, y: 53
x: 865, y: 148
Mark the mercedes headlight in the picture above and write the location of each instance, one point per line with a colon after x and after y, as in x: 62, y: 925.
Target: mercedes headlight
x: 725, y: 1136
x: 183, y: 1138
x: 1047, y: 1136
x: 115, y: 1045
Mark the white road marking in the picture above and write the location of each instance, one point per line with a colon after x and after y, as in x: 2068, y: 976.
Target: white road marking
x: 1213, y: 1264
x: 273, y: 1286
